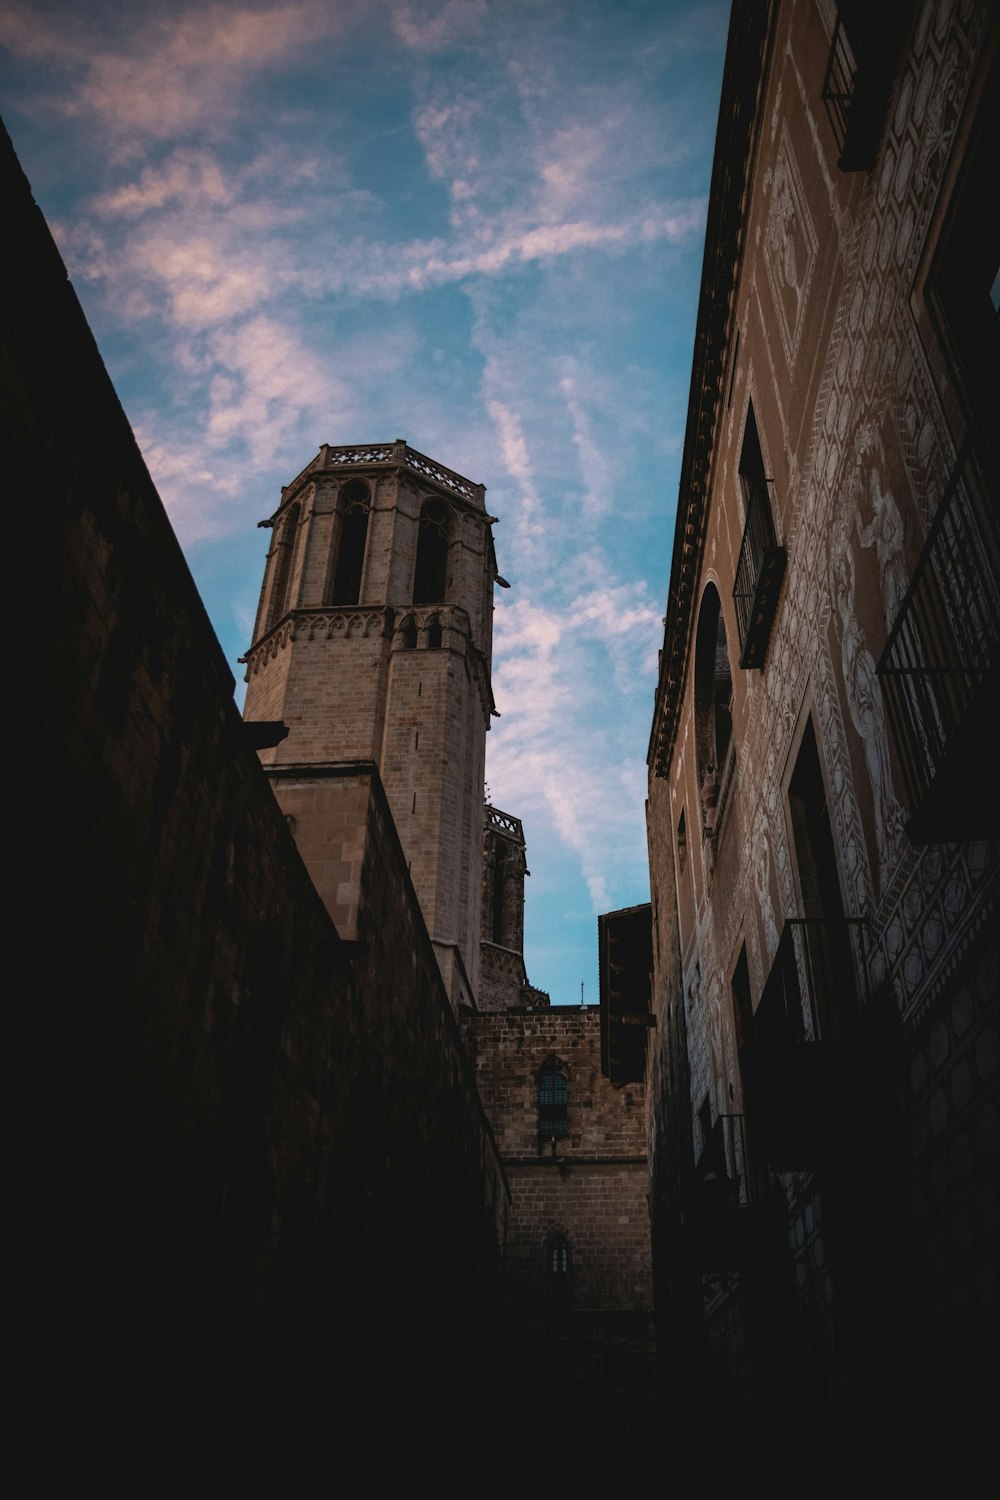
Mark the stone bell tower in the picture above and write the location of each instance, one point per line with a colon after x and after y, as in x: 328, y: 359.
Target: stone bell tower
x: 373, y: 645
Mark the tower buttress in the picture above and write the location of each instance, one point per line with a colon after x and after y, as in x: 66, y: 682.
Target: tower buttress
x: 373, y: 643
x: 503, y: 978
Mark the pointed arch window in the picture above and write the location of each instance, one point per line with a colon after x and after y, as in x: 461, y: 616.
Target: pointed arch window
x: 553, y: 1101
x: 354, y: 506
x: 408, y: 634
x: 285, y: 550
x: 430, y: 583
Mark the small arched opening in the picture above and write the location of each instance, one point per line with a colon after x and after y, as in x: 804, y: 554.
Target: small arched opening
x: 558, y: 1265
x: 408, y: 634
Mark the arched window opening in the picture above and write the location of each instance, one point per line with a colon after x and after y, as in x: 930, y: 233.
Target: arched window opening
x: 498, y: 895
x: 285, y: 548
x: 435, y: 635
x: 408, y: 634
x: 553, y: 1102
x: 354, y: 509
x: 430, y: 583
x: 713, y: 690
x: 558, y: 1273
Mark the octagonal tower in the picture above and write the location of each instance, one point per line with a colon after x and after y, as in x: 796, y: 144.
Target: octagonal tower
x: 373, y: 645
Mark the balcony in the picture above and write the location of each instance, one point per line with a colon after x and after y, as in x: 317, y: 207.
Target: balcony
x: 858, y: 77
x: 759, y: 572
x: 802, y: 1056
x: 732, y: 1207
x: 625, y: 953
x: 939, y: 669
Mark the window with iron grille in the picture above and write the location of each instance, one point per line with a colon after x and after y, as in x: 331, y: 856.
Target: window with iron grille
x: 858, y: 76
x: 553, y: 1101
x: 558, y: 1273
x: 761, y: 564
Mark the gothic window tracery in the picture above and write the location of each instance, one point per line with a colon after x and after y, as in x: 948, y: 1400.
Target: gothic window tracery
x: 353, y: 507
x: 430, y: 582
x: 285, y: 549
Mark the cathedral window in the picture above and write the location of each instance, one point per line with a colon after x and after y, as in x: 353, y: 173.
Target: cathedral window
x: 553, y: 1101
x: 435, y: 634
x: 284, y: 556
x: 353, y: 509
x: 430, y: 583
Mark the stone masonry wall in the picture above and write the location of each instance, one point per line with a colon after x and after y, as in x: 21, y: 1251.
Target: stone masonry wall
x: 261, y: 1141
x: 592, y: 1188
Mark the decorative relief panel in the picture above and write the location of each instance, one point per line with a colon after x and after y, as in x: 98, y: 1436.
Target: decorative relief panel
x: 789, y: 247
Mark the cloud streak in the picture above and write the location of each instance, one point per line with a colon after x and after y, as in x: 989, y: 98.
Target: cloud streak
x: 456, y: 221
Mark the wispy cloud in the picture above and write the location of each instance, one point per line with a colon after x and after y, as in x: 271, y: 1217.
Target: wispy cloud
x: 431, y: 27
x: 162, y: 75
x: 472, y: 224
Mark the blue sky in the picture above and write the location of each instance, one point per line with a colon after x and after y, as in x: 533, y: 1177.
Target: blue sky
x: 473, y: 224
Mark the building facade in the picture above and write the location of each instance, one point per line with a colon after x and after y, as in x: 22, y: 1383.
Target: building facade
x: 823, y: 1129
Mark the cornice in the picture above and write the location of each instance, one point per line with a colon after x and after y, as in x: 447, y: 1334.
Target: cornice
x: 373, y: 459
x: 744, y: 83
x: 361, y: 622
x: 327, y: 623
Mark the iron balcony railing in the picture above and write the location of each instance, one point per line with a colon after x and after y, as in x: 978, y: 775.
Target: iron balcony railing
x: 801, y: 1050
x: 838, y: 85
x: 759, y: 572
x: 858, y: 77
x: 731, y: 1214
x: 726, y: 1168
x: 811, y: 993
x: 940, y: 664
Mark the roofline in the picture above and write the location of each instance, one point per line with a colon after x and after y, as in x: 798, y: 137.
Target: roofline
x: 751, y: 35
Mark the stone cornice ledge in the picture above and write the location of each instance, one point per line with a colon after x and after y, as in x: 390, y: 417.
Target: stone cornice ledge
x: 751, y: 36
